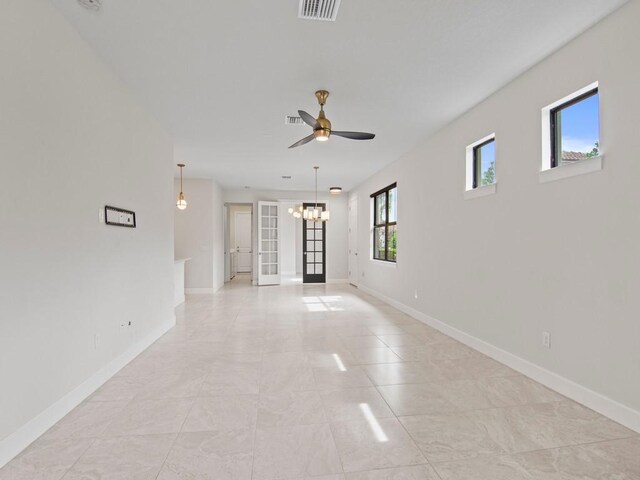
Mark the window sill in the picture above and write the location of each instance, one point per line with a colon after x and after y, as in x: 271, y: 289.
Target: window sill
x: 581, y: 167
x: 383, y: 262
x: 480, y: 191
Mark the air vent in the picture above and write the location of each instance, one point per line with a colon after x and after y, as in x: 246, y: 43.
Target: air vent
x: 326, y: 10
x: 292, y: 120
x: 286, y: 177
x: 91, y: 4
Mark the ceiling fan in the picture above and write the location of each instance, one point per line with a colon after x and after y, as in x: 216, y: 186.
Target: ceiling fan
x: 322, y: 126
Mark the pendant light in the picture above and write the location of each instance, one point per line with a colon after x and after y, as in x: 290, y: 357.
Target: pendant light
x: 314, y: 213
x: 181, y: 203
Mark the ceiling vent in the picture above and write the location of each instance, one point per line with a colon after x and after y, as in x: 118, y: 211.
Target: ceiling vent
x: 293, y: 120
x: 326, y: 10
x: 94, y: 5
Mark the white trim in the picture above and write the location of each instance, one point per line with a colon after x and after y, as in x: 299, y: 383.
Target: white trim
x: 608, y: 407
x: 580, y: 167
x: 482, y: 191
x: 385, y: 263
x: 20, y: 439
x: 179, y: 301
x: 199, y: 291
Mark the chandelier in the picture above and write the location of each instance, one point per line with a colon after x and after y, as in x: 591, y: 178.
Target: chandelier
x: 313, y: 213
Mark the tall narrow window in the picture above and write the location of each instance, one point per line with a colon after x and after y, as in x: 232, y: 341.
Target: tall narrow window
x: 385, y: 216
x: 575, y: 129
x: 481, y: 167
x: 484, y: 163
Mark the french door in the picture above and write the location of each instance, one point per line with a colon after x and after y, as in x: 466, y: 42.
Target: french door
x: 314, y: 249
x: 268, y: 244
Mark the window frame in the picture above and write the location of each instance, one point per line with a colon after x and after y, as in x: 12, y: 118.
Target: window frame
x: 477, y: 165
x: 553, y: 122
x: 386, y: 224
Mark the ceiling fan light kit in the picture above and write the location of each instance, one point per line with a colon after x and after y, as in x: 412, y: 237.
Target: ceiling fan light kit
x: 322, y: 126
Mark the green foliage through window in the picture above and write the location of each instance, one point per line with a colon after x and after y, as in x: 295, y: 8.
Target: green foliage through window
x: 385, y: 235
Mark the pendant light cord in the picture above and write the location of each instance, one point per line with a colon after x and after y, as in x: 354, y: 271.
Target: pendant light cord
x: 316, y: 169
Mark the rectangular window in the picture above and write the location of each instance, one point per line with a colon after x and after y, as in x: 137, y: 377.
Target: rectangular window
x: 484, y: 163
x: 480, y: 178
x: 575, y: 129
x: 385, y: 213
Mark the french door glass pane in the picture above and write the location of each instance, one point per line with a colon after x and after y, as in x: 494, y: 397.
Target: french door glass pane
x: 269, y: 233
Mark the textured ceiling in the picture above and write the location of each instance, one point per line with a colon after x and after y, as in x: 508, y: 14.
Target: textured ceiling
x: 221, y: 76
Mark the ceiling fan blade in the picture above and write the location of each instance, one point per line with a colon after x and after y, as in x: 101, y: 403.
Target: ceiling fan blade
x: 354, y: 135
x: 303, y: 141
x: 308, y: 119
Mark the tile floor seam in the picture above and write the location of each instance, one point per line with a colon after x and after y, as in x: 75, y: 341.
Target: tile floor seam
x: 510, y: 454
x: 93, y: 440
x: 413, y: 440
x: 522, y: 452
x: 454, y: 412
x: 175, y: 439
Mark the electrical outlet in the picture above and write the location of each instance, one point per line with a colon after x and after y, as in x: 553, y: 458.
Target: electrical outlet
x: 101, y: 215
x: 96, y: 341
x: 546, y: 339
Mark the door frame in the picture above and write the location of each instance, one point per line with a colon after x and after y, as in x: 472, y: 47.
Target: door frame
x: 314, y: 278
x: 353, y: 266
x: 227, y: 236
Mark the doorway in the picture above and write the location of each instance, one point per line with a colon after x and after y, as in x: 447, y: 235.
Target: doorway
x: 242, y: 237
x: 353, y: 240
x: 239, y: 240
x: 314, y: 249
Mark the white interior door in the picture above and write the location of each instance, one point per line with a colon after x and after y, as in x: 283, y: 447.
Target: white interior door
x: 268, y: 244
x: 243, y: 241
x: 227, y: 247
x: 353, y: 240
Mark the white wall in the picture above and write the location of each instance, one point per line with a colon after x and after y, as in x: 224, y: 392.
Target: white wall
x: 72, y: 140
x: 199, y: 234
x: 337, y: 267
x: 561, y: 257
x: 289, y: 247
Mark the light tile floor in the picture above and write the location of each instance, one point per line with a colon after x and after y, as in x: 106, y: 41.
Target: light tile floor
x: 324, y: 382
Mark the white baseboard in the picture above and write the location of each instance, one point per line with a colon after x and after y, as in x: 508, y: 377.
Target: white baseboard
x: 199, y: 291
x: 606, y: 406
x: 20, y: 439
x: 179, y: 301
